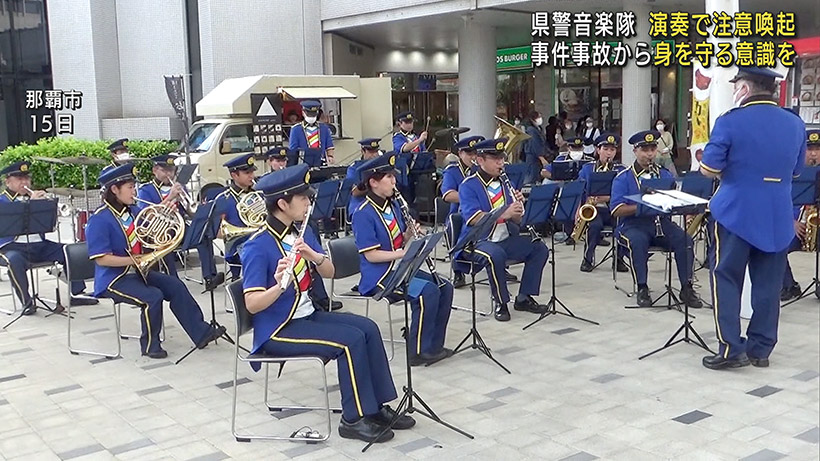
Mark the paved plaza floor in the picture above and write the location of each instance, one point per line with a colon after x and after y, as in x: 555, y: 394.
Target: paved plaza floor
x: 577, y: 391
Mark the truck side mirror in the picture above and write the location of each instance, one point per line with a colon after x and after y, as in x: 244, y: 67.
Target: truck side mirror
x: 226, y: 147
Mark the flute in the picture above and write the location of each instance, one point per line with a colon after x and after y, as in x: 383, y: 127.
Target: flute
x: 292, y: 253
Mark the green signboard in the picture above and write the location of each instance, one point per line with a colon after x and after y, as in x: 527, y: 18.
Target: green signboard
x: 518, y: 58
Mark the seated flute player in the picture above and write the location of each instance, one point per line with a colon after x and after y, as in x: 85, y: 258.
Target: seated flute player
x: 286, y: 323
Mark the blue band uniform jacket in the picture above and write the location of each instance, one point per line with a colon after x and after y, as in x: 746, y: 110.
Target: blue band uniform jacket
x: 451, y: 179
x: 106, y: 235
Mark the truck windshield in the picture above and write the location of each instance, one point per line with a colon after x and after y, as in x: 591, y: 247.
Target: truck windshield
x: 202, y: 136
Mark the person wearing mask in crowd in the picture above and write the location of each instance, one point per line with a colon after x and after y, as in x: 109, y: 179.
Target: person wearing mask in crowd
x: 552, y: 136
x: 589, y: 133
x: 665, y: 147
x: 566, y: 132
x: 534, y: 147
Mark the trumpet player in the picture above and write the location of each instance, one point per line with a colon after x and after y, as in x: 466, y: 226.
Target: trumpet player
x: 480, y: 193
x: 18, y: 253
x: 381, y: 233
x: 791, y: 289
x: 112, y: 239
x: 286, y: 322
x: 640, y: 227
x: 451, y: 179
x: 606, y: 146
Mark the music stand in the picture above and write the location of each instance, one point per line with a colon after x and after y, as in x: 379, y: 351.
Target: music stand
x: 565, y: 170
x: 478, y: 232
x: 25, y: 218
x: 423, y: 162
x: 600, y: 185
x: 686, y: 327
x: 550, y: 201
x: 199, y: 232
x: 185, y: 173
x: 695, y: 183
x: 805, y: 190
x: 398, y: 284
x: 313, y: 157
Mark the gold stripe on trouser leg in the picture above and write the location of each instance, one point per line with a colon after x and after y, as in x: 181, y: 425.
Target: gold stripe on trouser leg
x: 492, y: 272
x: 715, y: 292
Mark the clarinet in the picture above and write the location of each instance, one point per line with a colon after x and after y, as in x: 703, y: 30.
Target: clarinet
x: 655, y: 171
x: 411, y: 225
x: 505, y: 180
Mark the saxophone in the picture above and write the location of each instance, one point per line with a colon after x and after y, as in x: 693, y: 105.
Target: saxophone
x: 588, y: 211
x: 809, y: 217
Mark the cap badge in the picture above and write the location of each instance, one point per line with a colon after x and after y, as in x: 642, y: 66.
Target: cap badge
x: 610, y: 139
x: 499, y: 146
x: 24, y: 167
x: 649, y: 137
x: 814, y: 137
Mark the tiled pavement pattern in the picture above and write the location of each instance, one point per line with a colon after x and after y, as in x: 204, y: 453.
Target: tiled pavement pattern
x: 576, y: 392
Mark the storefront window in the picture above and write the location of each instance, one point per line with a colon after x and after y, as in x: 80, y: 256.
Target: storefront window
x: 515, y: 95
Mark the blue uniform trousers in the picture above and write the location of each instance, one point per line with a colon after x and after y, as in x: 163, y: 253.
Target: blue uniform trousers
x: 169, y: 265
x: 788, y: 277
x: 430, y: 307
x: 355, y: 343
x: 18, y: 256
x: 206, y: 259
x: 494, y: 256
x: 131, y: 289
x: 728, y: 257
x: 639, y: 236
x: 596, y: 226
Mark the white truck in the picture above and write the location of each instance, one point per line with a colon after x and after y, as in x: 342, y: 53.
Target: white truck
x: 357, y: 108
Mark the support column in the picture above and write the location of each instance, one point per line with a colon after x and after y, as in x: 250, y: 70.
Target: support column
x: 476, y: 77
x: 636, y: 100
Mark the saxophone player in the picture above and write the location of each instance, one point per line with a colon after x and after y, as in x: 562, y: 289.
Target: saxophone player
x: 606, y: 145
x: 640, y: 227
x: 791, y: 289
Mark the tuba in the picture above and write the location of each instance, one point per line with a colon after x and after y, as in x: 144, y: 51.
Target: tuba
x: 252, y: 212
x: 514, y: 135
x: 809, y: 217
x: 160, y: 228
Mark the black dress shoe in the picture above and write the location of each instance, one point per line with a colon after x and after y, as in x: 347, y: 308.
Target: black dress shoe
x: 213, y: 283
x: 326, y: 305
x: 30, y: 308
x: 644, y: 300
x: 621, y: 266
x: 509, y: 277
x: 760, y: 362
x: 386, y: 414
x: 428, y: 358
x: 459, y: 280
x: 502, y: 313
x: 586, y: 266
x: 717, y: 362
x: 213, y: 334
x: 157, y: 354
x: 365, y: 429
x: 83, y: 301
x: 355, y: 288
x: 690, y: 298
x: 529, y: 304
x: 789, y: 293
x: 604, y: 243
x: 569, y: 241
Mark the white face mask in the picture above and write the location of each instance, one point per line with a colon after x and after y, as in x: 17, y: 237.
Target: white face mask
x: 310, y: 120
x: 576, y: 155
x: 660, y: 126
x: 517, y: 122
x: 740, y: 93
x: 539, y: 121
x: 589, y: 124
x: 568, y: 126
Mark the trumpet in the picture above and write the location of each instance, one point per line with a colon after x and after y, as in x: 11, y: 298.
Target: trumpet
x: 411, y: 225
x: 292, y: 253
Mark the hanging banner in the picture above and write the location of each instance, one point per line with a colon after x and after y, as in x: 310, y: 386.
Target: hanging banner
x: 701, y: 87
x: 176, y: 94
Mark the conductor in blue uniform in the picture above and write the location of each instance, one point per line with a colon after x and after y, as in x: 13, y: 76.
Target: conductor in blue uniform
x: 111, y: 239
x: 381, y: 236
x: 311, y: 133
x: 481, y: 193
x: 286, y: 323
x: 640, y: 227
x: 451, y: 178
x: 755, y: 149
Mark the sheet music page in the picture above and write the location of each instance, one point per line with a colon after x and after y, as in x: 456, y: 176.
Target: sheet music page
x: 669, y: 199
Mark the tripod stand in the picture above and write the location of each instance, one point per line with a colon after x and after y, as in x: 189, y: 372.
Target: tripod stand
x: 544, y: 201
x: 468, y: 244
x: 203, y: 218
x: 399, y: 284
x: 25, y: 218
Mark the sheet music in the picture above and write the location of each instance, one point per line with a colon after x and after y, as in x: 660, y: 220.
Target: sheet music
x: 670, y: 199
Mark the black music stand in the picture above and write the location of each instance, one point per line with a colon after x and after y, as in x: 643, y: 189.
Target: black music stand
x: 468, y: 244
x: 565, y: 170
x: 313, y: 157
x: 200, y: 231
x: 806, y: 191
x: 600, y: 185
x: 686, y: 327
x: 550, y: 201
x: 398, y: 284
x: 25, y: 218
x: 695, y: 183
